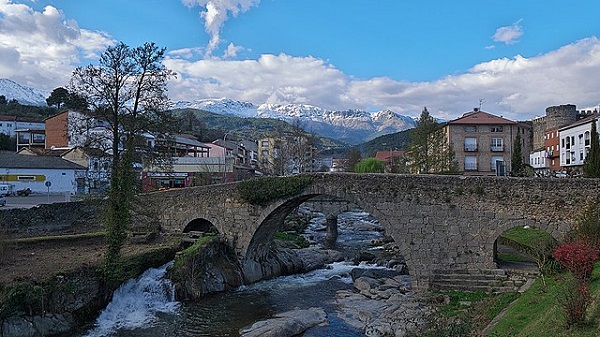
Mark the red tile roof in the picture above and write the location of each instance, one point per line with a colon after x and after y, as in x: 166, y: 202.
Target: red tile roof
x: 478, y: 117
x: 385, y: 155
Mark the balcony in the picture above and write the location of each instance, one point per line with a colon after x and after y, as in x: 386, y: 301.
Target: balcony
x: 497, y: 148
x: 470, y: 148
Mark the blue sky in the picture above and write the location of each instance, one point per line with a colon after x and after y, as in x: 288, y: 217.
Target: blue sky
x: 519, y: 56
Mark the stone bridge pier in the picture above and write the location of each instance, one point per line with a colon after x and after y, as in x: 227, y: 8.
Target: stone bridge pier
x: 439, y: 223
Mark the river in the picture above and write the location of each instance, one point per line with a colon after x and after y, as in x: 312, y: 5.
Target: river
x: 145, y: 307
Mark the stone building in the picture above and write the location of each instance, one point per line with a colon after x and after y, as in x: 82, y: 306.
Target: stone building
x: 483, y: 143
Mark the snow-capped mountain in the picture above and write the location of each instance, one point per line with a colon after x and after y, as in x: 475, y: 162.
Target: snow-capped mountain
x: 352, y: 126
x: 25, y: 95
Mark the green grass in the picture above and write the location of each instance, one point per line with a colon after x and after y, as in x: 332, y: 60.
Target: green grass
x: 295, y: 238
x: 537, y: 312
x: 528, y: 237
x: 467, y: 312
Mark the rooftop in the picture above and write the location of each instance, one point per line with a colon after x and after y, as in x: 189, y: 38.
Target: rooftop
x: 478, y: 117
x: 14, y: 160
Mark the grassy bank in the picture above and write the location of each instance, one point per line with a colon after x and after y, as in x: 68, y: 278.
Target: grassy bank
x: 538, y: 312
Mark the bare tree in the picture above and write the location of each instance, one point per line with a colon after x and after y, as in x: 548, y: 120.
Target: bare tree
x: 126, y: 89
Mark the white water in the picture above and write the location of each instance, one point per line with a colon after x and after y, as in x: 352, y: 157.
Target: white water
x: 136, y: 303
x: 339, y: 271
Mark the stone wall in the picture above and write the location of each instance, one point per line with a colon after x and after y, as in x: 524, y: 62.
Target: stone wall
x: 52, y: 219
x: 439, y: 222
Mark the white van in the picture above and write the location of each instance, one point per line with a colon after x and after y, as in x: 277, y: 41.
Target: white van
x: 6, y: 189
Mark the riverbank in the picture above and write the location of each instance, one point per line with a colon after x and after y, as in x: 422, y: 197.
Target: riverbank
x: 52, y: 285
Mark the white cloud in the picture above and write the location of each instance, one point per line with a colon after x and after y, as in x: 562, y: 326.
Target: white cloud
x: 232, y: 51
x: 509, y: 34
x: 41, y: 49
x: 518, y: 88
x: 273, y: 78
x: 216, y: 13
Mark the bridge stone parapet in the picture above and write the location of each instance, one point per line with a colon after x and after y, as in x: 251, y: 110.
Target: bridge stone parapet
x: 438, y: 222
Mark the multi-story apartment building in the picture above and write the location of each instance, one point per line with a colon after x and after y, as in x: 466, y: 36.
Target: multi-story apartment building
x: 545, y: 160
x: 575, y: 143
x: 10, y: 124
x: 291, y: 154
x: 71, y: 128
x: 483, y: 143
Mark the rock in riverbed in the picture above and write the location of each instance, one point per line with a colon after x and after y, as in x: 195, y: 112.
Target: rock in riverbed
x: 289, y: 323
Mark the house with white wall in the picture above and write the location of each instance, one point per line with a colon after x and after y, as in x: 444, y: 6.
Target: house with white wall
x: 575, y: 143
x: 41, y: 174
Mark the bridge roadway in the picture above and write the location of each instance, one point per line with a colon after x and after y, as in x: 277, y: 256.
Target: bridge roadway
x: 438, y: 222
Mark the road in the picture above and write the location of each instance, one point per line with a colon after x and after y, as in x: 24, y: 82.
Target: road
x: 34, y: 199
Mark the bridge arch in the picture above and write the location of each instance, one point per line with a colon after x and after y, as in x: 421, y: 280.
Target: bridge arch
x: 438, y: 222
x: 200, y: 225
x: 273, y: 216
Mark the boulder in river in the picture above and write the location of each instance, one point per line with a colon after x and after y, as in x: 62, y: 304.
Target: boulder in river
x: 289, y: 323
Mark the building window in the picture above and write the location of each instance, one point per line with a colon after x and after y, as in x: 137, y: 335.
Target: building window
x: 470, y: 144
x: 470, y: 128
x: 470, y: 163
x: 586, y: 137
x: 496, y: 145
x: 500, y: 161
x: 496, y: 128
x: 264, y: 143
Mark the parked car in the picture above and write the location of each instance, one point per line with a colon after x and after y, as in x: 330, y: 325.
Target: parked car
x: 24, y: 192
x: 6, y: 190
x: 2, y: 200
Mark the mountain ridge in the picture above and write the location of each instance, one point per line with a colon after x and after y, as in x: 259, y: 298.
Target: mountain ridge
x: 350, y: 126
x: 23, y: 94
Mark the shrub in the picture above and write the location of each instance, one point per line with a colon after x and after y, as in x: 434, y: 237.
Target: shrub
x: 574, y: 300
x: 578, y: 257
x: 263, y: 190
x: 369, y: 165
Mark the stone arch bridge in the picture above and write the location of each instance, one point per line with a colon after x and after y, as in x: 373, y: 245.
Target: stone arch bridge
x: 438, y: 222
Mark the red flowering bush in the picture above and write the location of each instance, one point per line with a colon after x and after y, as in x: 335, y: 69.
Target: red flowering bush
x: 578, y: 257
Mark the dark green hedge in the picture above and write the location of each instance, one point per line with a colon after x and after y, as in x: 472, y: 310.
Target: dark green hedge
x: 261, y: 191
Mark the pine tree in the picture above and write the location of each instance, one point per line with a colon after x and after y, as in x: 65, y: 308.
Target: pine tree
x: 429, y: 151
x: 591, y: 166
x: 516, y: 162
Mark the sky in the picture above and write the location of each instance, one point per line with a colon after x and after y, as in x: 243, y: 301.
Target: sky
x: 513, y: 58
